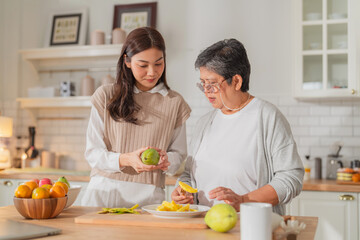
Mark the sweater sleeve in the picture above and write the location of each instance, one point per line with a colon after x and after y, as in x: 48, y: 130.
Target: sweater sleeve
x: 287, y: 168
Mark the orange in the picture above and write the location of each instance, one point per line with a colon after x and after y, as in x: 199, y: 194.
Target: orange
x: 57, y: 191
x: 23, y: 191
x: 40, y: 193
x: 32, y: 185
x: 356, y: 177
x: 47, y: 186
x: 64, y: 185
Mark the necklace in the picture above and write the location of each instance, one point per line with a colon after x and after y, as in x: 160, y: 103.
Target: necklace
x: 235, y: 109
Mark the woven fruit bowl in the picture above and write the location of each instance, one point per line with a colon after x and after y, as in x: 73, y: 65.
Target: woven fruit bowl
x: 40, y: 208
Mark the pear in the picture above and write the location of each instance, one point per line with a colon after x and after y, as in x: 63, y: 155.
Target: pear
x: 64, y: 180
x: 150, y: 157
x: 221, y: 217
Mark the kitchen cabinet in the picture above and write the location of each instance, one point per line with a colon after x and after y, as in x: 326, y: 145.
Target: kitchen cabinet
x: 338, y: 213
x: 327, y: 49
x: 71, y: 58
x: 7, y: 189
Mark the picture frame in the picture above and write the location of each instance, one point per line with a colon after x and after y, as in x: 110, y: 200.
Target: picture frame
x: 67, y: 28
x: 131, y: 16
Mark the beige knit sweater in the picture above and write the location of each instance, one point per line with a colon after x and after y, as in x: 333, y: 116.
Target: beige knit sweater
x: 159, y: 117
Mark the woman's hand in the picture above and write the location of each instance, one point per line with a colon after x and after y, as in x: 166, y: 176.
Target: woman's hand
x: 179, y: 196
x: 227, y: 195
x: 133, y: 160
x: 163, y: 163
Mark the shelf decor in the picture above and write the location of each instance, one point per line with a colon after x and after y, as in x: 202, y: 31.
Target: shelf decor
x: 67, y: 28
x: 131, y: 16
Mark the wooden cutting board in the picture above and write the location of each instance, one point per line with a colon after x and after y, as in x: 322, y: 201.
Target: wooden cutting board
x: 143, y: 219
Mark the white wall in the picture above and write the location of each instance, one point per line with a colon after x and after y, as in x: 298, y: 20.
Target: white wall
x: 188, y: 26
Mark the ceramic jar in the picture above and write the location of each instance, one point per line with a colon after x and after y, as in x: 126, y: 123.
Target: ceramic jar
x: 97, y: 38
x: 87, y: 86
x: 118, y: 36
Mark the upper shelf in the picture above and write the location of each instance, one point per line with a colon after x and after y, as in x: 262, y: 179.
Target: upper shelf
x: 73, y: 57
x: 80, y: 101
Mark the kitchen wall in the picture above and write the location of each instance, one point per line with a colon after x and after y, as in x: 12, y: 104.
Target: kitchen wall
x: 188, y: 26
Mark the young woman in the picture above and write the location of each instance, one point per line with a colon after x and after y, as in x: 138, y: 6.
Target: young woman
x: 137, y: 112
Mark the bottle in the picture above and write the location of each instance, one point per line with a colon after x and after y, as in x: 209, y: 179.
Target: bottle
x: 318, y: 168
x: 307, y: 168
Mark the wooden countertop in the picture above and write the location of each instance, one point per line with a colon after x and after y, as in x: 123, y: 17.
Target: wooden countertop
x: 329, y: 186
x: 311, y: 185
x: 71, y: 176
x: 72, y: 230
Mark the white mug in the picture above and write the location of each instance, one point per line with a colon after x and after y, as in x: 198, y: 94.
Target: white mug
x: 255, y: 221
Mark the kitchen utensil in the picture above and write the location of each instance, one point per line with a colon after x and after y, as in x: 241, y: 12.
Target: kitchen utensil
x: 255, y: 214
x: 168, y: 214
x: 144, y: 220
x: 87, y: 86
x: 332, y: 166
x: 118, y: 36
x: 40, y: 208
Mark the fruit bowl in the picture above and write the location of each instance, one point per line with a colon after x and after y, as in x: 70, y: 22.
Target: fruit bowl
x: 72, y: 194
x: 40, y: 208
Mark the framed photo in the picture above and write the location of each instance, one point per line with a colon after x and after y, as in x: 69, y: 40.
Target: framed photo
x: 67, y: 28
x: 131, y: 16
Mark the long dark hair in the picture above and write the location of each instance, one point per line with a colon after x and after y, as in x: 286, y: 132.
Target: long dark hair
x: 122, y: 106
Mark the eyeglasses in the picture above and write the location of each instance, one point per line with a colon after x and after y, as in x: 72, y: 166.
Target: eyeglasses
x: 209, y: 87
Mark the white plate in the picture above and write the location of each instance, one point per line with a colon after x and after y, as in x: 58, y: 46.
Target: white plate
x: 167, y: 214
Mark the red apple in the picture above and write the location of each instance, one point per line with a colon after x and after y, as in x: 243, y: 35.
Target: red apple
x: 45, y: 181
x: 35, y: 180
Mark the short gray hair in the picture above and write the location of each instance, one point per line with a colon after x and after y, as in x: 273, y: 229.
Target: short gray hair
x: 226, y: 58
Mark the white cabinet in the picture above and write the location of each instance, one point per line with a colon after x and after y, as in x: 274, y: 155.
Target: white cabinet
x: 7, y: 190
x: 338, y: 213
x: 327, y: 48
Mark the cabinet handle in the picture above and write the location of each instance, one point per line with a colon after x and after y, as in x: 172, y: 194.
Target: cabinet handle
x: 353, y: 91
x: 8, y: 183
x: 346, y: 197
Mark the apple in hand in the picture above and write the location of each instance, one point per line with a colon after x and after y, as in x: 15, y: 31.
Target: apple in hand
x: 45, y: 181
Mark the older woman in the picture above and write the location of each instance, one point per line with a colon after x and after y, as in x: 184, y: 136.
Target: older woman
x: 243, y: 150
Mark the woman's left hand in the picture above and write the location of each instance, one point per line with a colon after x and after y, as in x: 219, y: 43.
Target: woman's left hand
x: 227, y: 195
x: 163, y: 162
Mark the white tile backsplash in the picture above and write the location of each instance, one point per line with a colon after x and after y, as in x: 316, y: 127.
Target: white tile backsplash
x: 315, y: 125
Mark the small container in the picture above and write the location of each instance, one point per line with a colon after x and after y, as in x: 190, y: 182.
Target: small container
x: 318, y: 168
x: 108, y: 79
x: 87, y: 86
x: 97, y: 38
x: 118, y: 36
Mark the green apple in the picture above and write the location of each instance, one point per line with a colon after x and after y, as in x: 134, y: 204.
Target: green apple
x: 64, y: 180
x: 221, y: 217
x: 150, y: 157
